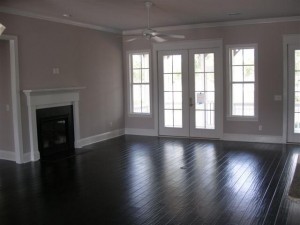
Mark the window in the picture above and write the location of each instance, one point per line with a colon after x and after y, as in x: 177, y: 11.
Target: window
x: 243, y: 82
x: 139, y: 78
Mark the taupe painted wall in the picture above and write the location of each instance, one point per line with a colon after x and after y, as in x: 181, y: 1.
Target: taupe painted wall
x: 6, y: 121
x: 269, y: 38
x: 85, y: 57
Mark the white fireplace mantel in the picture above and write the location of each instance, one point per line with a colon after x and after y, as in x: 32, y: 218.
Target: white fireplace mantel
x: 47, y: 98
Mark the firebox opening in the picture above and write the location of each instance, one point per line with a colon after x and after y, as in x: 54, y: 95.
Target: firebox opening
x: 55, y: 129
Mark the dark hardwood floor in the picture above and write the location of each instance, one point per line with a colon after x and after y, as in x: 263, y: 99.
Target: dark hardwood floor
x: 150, y: 180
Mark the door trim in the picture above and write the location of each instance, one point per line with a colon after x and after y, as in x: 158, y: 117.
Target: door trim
x: 15, y: 95
x: 291, y: 39
x: 183, y: 45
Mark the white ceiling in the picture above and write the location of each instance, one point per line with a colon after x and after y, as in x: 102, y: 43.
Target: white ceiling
x: 131, y: 14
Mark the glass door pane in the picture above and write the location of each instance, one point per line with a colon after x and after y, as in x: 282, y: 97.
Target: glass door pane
x: 204, y: 91
x: 297, y: 92
x: 173, y: 93
x: 293, y: 115
x: 172, y: 78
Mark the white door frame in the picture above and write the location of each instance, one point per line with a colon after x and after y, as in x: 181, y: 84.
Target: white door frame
x: 182, y: 45
x: 15, y: 94
x: 292, y: 39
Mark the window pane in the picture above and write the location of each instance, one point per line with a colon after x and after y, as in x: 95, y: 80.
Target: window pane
x: 168, y: 118
x: 200, y: 119
x: 145, y: 60
x: 168, y: 100
x: 237, y: 73
x: 168, y: 64
x: 199, y: 62
x: 177, y: 100
x: 137, y: 98
x: 145, y: 99
x: 210, y: 120
x: 209, y: 62
x: 249, y: 73
x: 137, y: 76
x: 237, y: 56
x: 297, y: 81
x: 237, y: 99
x: 248, y: 99
x: 297, y: 123
x: 249, y: 56
x: 210, y: 101
x: 209, y: 81
x: 199, y: 82
x: 178, y: 118
x: 297, y: 102
x: 297, y: 60
x: 177, y: 86
x: 136, y: 61
x: 168, y: 83
x: 145, y: 76
x: 176, y: 63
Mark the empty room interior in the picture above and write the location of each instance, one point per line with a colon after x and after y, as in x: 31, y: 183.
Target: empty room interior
x: 150, y: 112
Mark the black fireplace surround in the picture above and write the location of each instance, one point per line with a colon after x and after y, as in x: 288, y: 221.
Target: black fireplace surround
x: 55, y: 130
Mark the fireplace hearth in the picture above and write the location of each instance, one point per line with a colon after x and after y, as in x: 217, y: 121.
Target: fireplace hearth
x: 55, y: 131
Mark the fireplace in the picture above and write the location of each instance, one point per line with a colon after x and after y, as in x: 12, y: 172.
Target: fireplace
x: 55, y: 130
x: 43, y: 100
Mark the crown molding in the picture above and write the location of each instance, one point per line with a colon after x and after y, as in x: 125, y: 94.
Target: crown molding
x: 57, y: 20
x: 218, y: 24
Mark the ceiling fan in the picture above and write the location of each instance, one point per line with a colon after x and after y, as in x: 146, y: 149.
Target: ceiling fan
x: 151, y: 34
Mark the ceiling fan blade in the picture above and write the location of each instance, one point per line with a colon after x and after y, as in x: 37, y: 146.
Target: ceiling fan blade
x: 131, y: 39
x: 179, y: 36
x: 158, y: 39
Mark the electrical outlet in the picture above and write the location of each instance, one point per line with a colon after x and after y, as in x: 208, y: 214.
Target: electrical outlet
x: 260, y: 127
x: 277, y: 97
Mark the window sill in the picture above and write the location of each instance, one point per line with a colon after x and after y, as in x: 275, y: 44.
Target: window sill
x: 140, y: 115
x: 242, y: 118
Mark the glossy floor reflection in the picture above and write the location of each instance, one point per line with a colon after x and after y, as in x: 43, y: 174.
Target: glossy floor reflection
x: 150, y: 180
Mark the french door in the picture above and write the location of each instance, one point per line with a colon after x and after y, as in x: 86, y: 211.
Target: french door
x: 190, y: 93
x: 293, y: 93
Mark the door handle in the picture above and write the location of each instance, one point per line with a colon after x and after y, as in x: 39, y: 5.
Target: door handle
x: 191, y: 102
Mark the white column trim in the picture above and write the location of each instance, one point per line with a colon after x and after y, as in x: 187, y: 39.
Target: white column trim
x: 15, y: 94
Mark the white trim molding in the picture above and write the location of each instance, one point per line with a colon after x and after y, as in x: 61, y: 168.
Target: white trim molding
x: 141, y: 132
x: 47, y: 98
x: 253, y: 138
x: 218, y: 24
x: 58, y: 20
x: 229, y: 82
x: 288, y: 40
x: 15, y: 95
x: 100, y: 137
x: 8, y: 155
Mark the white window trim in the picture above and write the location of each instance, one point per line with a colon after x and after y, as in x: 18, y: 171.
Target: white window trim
x: 231, y: 117
x: 129, y: 89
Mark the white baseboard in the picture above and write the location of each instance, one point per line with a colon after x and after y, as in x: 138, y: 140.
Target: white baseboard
x: 142, y: 132
x: 253, y: 138
x: 28, y: 158
x: 7, y: 155
x: 100, y: 137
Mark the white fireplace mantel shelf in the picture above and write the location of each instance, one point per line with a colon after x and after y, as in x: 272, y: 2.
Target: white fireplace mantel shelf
x: 67, y: 89
x: 47, y: 98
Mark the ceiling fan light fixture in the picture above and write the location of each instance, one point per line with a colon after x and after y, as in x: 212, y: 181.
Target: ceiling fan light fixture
x: 2, y: 28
